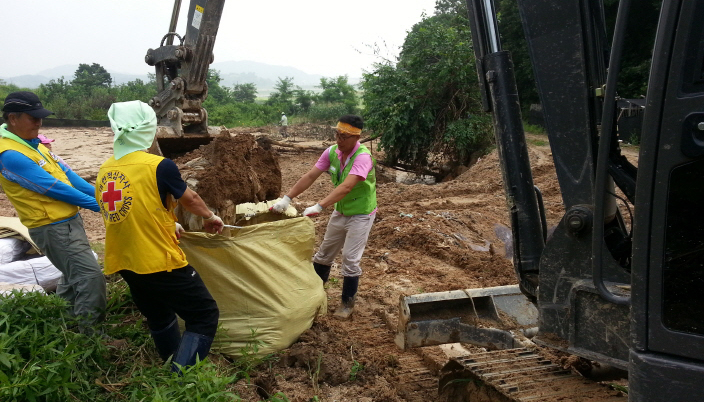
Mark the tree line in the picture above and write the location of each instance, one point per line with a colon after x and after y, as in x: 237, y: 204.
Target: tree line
x: 90, y: 92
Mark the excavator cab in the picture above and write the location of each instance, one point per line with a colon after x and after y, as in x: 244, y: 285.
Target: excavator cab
x: 667, y: 304
x: 622, y: 291
x: 181, y: 72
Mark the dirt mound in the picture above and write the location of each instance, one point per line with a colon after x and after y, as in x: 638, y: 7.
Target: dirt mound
x: 233, y: 170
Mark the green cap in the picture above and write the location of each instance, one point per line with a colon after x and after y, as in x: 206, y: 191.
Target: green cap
x: 134, y: 125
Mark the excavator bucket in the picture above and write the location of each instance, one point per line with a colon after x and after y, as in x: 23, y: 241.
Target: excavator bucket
x: 170, y: 144
x: 494, y: 318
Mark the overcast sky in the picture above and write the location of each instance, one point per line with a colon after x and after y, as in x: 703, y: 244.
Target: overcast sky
x: 317, y: 36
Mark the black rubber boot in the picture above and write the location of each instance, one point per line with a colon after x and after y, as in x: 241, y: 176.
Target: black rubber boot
x: 192, y: 345
x: 167, y: 340
x: 323, y: 271
x: 349, y: 293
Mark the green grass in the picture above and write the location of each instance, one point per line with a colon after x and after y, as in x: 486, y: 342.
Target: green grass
x: 533, y: 129
x: 333, y: 283
x: 536, y: 130
x: 354, y: 371
x: 43, y: 359
x: 537, y: 142
x: 99, y: 248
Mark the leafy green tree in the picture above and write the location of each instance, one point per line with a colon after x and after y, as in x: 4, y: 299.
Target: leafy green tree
x: 245, y: 93
x: 54, y: 89
x: 433, y: 86
x: 304, y: 99
x: 338, y: 90
x: 137, y: 90
x: 98, y: 103
x: 6, y: 89
x: 55, y: 96
x: 239, y: 114
x: 325, y: 113
x: 639, y: 42
x: 283, y: 94
x: 93, y: 75
x: 216, y: 92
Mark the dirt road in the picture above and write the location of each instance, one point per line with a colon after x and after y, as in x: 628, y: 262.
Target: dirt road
x: 426, y: 238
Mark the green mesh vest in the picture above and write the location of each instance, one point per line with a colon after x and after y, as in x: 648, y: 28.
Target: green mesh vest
x: 362, y: 198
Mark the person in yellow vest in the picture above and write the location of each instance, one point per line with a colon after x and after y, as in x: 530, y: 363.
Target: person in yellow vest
x: 351, y: 168
x: 47, y: 196
x: 137, y: 193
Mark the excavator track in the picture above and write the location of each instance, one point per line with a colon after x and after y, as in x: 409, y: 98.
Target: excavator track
x: 517, y: 375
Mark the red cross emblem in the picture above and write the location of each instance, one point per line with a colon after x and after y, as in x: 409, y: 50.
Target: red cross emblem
x: 112, y: 196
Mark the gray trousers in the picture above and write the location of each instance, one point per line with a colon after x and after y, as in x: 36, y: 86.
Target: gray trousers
x: 349, y: 234
x: 83, y: 284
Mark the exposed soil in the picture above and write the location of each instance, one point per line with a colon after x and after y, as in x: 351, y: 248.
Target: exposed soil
x: 426, y: 238
x: 234, y: 169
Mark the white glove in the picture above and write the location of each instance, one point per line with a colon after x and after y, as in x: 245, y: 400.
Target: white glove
x: 213, y: 224
x: 179, y: 230
x: 312, y: 211
x: 282, y: 205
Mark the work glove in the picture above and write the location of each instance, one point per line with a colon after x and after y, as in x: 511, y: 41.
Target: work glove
x: 179, y: 230
x: 213, y: 224
x: 313, y: 211
x: 282, y: 205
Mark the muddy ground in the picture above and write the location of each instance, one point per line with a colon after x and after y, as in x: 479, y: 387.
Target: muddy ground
x: 426, y: 238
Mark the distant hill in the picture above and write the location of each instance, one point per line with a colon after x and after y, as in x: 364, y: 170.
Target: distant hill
x: 264, y: 76
x: 66, y: 71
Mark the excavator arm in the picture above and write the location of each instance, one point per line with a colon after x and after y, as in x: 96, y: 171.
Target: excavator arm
x: 181, y: 72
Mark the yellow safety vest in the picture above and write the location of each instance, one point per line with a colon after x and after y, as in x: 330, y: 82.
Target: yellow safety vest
x: 35, y: 209
x: 139, y: 231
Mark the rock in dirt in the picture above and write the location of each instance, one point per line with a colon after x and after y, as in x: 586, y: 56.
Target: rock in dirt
x: 230, y: 170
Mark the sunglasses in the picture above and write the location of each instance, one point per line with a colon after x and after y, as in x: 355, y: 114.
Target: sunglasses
x: 343, y: 137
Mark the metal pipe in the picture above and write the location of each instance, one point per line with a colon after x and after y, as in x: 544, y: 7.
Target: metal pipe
x: 493, y: 31
x: 607, y: 124
x: 174, y: 21
x: 521, y: 197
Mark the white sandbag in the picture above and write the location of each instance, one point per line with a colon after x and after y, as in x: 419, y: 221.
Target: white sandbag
x: 7, y: 288
x: 12, y: 249
x: 36, y: 271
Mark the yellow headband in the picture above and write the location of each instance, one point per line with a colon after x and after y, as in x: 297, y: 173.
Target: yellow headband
x: 348, y: 129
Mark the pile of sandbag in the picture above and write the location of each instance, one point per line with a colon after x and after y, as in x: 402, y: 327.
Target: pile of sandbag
x: 21, y: 264
x: 28, y: 271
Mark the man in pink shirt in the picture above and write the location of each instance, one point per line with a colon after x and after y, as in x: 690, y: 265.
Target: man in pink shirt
x: 351, y: 168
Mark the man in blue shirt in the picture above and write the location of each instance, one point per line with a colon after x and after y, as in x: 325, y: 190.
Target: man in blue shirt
x: 47, y: 196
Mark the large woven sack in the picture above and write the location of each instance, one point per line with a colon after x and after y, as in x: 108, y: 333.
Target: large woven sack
x: 264, y: 283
